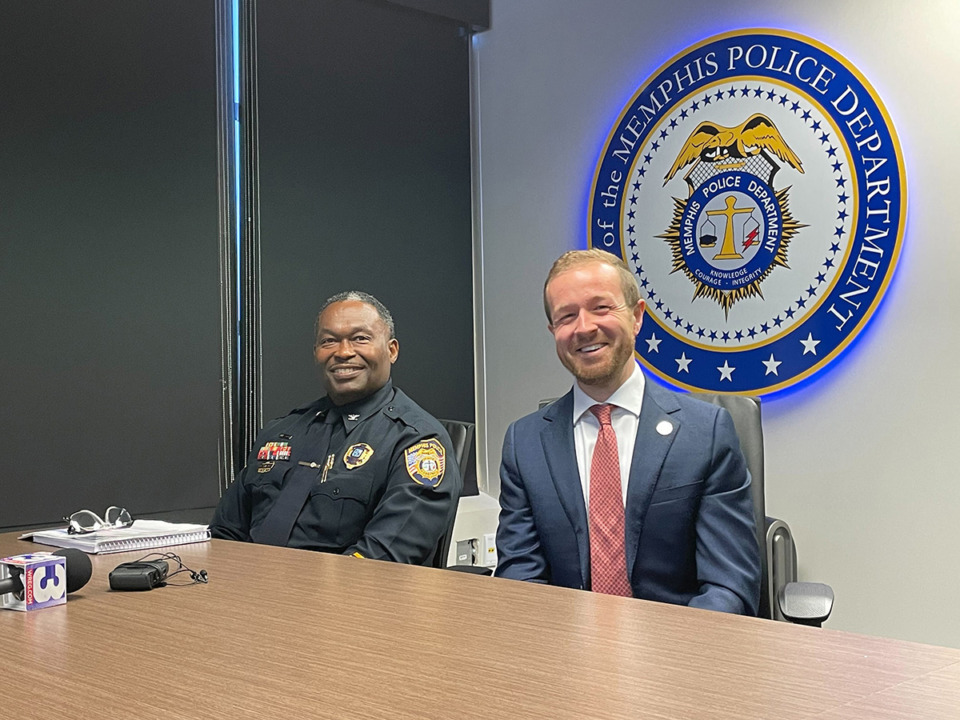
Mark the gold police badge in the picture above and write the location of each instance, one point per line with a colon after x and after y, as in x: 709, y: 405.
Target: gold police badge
x: 357, y: 455
x: 731, y: 200
x: 426, y: 462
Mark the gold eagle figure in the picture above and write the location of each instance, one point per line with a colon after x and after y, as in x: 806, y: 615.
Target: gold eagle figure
x: 712, y: 142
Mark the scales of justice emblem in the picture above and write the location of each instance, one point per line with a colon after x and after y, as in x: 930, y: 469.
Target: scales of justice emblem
x: 734, y: 227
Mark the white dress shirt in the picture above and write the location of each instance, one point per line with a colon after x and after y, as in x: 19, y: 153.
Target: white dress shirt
x: 624, y: 417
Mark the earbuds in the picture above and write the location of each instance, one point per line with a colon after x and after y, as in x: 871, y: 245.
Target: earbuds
x: 197, y: 576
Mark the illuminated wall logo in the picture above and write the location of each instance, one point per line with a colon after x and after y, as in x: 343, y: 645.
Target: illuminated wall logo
x: 755, y: 186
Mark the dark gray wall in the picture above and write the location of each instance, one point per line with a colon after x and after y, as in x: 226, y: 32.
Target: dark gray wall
x: 365, y: 183
x: 109, y: 310
x: 109, y: 313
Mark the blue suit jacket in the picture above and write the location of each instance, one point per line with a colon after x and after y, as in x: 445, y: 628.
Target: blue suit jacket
x: 690, y: 536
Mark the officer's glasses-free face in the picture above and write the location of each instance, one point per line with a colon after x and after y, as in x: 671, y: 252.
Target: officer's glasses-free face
x: 87, y: 521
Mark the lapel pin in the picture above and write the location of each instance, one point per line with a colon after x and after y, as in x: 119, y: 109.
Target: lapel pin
x: 664, y: 427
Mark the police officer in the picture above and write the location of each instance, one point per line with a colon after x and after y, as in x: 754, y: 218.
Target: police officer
x: 364, y: 471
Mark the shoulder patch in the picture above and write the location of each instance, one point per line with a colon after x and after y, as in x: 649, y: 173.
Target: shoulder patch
x: 426, y: 462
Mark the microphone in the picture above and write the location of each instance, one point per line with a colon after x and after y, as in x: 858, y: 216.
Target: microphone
x: 48, y: 580
x: 79, y: 568
x: 12, y: 584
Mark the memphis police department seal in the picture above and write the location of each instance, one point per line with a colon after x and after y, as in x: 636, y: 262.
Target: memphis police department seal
x: 755, y: 186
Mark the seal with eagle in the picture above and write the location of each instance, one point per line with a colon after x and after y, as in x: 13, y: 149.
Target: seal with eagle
x: 714, y: 151
x: 715, y: 143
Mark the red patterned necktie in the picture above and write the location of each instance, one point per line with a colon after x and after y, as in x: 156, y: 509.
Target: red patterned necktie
x: 608, y: 561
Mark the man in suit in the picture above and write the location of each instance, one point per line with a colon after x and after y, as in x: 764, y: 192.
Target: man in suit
x: 679, y: 528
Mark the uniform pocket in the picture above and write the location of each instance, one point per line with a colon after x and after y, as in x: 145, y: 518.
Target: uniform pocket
x: 265, y: 488
x: 338, y: 489
x: 342, y: 505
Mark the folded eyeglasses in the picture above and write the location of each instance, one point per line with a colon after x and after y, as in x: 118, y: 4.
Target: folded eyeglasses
x: 87, y: 521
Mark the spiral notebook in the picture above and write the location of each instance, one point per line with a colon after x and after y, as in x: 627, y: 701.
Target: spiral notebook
x: 142, y: 535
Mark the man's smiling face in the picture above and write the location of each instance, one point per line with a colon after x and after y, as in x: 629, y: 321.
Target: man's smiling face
x: 354, y: 350
x: 593, y: 327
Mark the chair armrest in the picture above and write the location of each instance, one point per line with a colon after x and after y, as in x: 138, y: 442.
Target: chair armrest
x: 806, y: 603
x: 780, y: 563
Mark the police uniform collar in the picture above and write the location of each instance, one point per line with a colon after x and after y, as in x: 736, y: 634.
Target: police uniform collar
x: 356, y: 412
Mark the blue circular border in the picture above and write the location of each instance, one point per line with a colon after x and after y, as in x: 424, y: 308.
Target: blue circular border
x: 605, y: 231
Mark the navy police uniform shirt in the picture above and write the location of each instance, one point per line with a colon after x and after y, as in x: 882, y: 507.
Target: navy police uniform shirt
x: 385, y: 487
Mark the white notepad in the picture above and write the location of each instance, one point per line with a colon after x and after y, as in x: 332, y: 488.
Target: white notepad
x: 142, y: 535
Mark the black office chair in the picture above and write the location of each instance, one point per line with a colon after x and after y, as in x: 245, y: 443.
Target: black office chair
x: 461, y: 435
x: 781, y: 596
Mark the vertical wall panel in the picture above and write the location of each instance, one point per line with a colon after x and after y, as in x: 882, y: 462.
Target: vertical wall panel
x: 365, y: 184
x: 109, y: 313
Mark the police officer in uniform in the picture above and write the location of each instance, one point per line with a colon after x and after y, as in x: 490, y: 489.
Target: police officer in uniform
x: 364, y: 471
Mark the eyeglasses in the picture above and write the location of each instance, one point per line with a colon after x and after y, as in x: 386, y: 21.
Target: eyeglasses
x: 87, y: 521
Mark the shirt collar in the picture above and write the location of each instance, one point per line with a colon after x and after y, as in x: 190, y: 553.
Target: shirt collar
x: 356, y: 412
x: 628, y: 396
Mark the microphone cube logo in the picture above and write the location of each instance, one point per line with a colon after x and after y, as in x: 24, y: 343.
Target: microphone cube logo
x: 44, y: 579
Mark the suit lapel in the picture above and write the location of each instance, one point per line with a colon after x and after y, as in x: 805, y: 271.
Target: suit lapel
x: 560, y: 453
x: 649, y: 451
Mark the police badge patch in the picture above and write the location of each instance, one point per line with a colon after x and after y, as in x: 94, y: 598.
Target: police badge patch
x: 755, y: 187
x: 357, y: 455
x: 426, y: 462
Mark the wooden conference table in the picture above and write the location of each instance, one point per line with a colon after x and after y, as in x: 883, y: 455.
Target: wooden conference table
x: 281, y: 633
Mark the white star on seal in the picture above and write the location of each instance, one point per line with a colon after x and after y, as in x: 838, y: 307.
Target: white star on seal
x: 772, y: 364
x: 683, y: 362
x: 809, y: 345
x: 653, y: 343
x: 726, y: 372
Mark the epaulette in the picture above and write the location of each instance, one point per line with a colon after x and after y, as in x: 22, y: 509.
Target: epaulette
x: 394, y: 413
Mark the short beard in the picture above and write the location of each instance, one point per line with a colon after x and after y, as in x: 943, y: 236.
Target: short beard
x: 601, y: 375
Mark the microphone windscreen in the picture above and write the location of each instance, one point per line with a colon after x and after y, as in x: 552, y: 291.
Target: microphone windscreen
x: 79, y: 568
